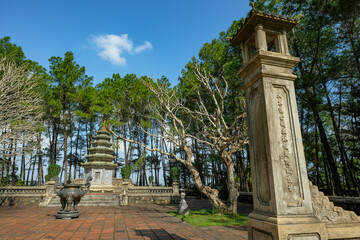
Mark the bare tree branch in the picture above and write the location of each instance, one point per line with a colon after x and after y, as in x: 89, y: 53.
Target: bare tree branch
x: 20, y: 103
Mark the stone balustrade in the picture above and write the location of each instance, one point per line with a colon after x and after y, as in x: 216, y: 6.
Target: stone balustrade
x: 22, y: 195
x: 157, y: 195
x: 23, y: 191
x: 42, y: 195
x: 150, y: 190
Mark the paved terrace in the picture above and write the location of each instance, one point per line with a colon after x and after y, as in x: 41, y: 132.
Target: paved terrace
x: 128, y: 222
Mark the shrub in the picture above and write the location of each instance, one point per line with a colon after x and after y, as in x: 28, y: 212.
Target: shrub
x: 20, y: 183
x: 175, y: 173
x: 151, y: 179
x: 53, y: 170
x: 4, y: 181
x: 126, y: 172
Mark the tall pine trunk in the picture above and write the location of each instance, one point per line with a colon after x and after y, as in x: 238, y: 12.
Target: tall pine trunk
x: 78, y: 157
x: 40, y: 163
x: 13, y: 170
x: 65, y: 148
x: 22, y: 170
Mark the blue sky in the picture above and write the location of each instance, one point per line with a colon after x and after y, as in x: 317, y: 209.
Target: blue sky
x: 144, y: 37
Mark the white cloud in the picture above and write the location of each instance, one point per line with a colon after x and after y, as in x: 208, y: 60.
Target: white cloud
x: 112, y: 47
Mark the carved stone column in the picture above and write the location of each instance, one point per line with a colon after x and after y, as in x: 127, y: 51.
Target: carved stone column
x: 286, y: 206
x: 281, y: 193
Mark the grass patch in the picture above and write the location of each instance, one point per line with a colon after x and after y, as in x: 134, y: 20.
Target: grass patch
x: 208, y: 218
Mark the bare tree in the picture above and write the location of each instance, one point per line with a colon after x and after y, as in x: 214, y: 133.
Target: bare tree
x: 225, y: 135
x: 20, y: 104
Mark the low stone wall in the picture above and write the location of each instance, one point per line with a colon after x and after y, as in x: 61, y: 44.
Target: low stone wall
x: 347, y: 203
x: 140, y: 199
x: 157, y: 195
x: 22, y: 196
x: 129, y: 194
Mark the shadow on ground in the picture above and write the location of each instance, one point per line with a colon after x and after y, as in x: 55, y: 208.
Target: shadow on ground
x: 156, y: 234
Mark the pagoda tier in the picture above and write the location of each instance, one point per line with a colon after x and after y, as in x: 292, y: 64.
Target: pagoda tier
x: 100, y: 157
x: 100, y: 160
x: 99, y: 164
x: 102, y: 136
x: 101, y: 143
x: 100, y: 149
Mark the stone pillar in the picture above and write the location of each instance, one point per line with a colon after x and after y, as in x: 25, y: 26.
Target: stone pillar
x: 183, y: 208
x: 260, y: 38
x: 281, y: 193
x: 282, y: 200
x: 49, y: 193
x: 50, y: 186
x: 124, y: 197
x: 175, y: 187
x: 285, y: 207
x: 283, y: 44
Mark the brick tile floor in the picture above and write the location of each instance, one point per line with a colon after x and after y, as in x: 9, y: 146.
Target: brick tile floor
x: 129, y: 222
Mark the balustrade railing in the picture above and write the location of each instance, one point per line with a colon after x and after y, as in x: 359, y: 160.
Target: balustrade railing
x: 23, y: 191
x: 150, y: 190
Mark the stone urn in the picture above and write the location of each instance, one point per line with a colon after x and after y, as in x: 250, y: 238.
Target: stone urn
x: 70, y: 196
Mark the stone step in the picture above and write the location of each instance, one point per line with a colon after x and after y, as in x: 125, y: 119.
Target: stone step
x: 91, y: 200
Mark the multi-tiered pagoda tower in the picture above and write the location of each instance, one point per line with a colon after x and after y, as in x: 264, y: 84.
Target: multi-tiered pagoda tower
x: 99, y: 163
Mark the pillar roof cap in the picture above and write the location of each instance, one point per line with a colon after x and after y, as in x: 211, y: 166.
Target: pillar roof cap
x: 269, y: 21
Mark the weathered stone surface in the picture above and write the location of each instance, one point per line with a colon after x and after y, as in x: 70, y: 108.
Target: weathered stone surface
x: 346, y: 203
x: 326, y: 211
x: 18, y: 201
x: 183, y: 206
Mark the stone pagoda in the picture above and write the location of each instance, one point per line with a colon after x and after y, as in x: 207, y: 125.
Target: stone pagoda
x: 99, y: 163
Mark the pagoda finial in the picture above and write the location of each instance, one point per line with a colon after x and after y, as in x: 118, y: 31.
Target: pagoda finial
x: 103, y: 128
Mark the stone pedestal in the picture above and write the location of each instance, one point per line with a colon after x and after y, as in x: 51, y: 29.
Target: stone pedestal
x: 175, y: 187
x: 102, y: 178
x: 183, y: 206
x: 124, y: 198
x: 49, y: 193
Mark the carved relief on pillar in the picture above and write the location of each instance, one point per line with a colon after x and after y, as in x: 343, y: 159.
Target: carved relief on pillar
x: 326, y: 211
x: 257, y: 137
x: 288, y: 157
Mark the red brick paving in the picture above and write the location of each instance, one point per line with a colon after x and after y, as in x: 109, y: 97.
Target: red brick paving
x: 129, y: 222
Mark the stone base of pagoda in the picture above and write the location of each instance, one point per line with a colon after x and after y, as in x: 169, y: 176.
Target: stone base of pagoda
x: 101, y: 177
x: 102, y: 188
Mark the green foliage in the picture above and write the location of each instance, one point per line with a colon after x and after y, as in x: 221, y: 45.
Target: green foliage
x: 208, y: 218
x: 126, y: 172
x: 5, y: 181
x: 145, y: 124
x: 11, y: 51
x: 20, y: 183
x: 151, y: 179
x: 175, y: 173
x: 53, y: 170
x: 140, y: 161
